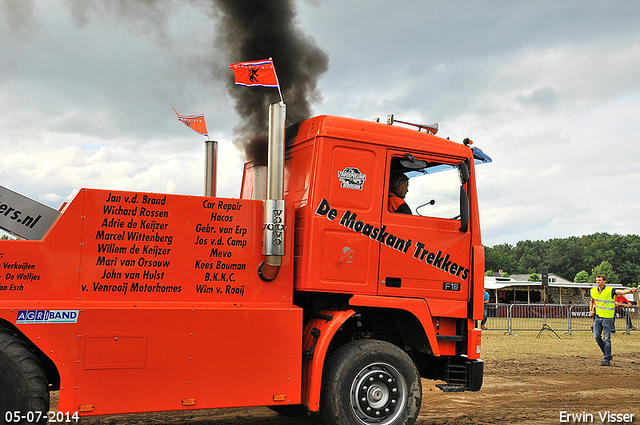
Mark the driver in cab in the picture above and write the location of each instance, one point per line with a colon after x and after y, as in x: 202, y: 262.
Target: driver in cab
x: 398, y: 188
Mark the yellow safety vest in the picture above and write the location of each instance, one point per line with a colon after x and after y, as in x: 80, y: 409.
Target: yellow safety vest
x: 605, y: 304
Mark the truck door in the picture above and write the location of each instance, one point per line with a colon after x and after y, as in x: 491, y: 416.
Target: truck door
x: 342, y: 255
x: 425, y: 254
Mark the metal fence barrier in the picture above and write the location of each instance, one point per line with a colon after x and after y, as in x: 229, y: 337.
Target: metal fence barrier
x: 559, y: 317
x: 498, y: 316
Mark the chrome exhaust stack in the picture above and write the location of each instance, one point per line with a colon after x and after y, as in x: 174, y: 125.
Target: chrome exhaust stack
x: 273, y: 227
x: 210, y: 168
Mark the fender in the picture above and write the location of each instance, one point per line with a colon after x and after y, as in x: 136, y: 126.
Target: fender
x: 416, y: 306
x: 315, y: 349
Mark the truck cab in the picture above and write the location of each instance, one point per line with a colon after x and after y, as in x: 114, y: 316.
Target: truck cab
x: 415, y: 280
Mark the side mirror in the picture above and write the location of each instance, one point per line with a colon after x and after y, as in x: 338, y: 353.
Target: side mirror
x: 463, y: 172
x: 464, y: 210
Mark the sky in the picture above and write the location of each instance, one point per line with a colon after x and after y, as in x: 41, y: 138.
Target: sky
x: 550, y: 90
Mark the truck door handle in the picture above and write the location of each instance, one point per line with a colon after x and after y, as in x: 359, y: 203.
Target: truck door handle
x: 393, y: 282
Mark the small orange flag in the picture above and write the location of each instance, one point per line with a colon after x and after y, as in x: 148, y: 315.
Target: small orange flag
x: 257, y: 73
x: 194, y: 122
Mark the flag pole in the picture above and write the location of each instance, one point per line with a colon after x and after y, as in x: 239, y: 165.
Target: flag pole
x: 277, y: 82
x: 281, y: 99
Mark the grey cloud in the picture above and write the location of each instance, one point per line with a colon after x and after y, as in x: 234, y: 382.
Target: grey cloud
x: 545, y: 96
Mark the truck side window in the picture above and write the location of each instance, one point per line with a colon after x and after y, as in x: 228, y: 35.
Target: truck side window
x: 430, y: 191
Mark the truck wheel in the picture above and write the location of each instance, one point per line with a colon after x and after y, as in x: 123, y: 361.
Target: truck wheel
x: 23, y: 384
x: 370, y: 382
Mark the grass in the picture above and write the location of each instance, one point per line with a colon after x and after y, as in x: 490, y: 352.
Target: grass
x: 498, y: 346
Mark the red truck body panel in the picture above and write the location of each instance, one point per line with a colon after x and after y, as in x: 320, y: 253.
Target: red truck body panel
x: 159, y: 301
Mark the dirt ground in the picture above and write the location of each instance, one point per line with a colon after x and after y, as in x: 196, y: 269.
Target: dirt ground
x: 527, y: 380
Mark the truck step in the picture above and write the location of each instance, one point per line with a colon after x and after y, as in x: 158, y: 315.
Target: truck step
x: 451, y: 388
x: 449, y: 337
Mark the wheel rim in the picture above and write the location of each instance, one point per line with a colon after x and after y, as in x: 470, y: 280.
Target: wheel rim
x: 378, y: 394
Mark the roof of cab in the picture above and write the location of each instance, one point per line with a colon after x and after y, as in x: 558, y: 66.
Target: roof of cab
x: 377, y: 133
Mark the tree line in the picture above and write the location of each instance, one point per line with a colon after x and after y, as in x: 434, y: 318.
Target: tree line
x: 577, y: 259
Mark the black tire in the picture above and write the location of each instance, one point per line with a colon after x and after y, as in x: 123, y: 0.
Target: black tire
x: 23, y: 383
x: 370, y: 382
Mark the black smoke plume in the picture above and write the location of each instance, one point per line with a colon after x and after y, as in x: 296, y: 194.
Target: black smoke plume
x: 261, y: 29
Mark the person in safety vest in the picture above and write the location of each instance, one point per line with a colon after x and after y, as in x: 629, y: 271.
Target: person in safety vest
x: 398, y: 188
x: 604, y: 307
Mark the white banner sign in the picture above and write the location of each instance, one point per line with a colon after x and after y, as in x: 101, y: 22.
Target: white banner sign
x: 24, y: 217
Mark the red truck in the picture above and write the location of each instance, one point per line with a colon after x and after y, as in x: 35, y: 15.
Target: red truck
x: 313, y: 297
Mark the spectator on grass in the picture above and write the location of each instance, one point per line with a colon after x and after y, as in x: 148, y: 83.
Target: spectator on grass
x: 603, y: 307
x: 483, y: 324
x: 623, y: 307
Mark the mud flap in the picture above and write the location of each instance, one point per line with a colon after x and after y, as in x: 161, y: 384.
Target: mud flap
x: 476, y: 373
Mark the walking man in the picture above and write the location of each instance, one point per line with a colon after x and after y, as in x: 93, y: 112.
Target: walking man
x: 604, y: 308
